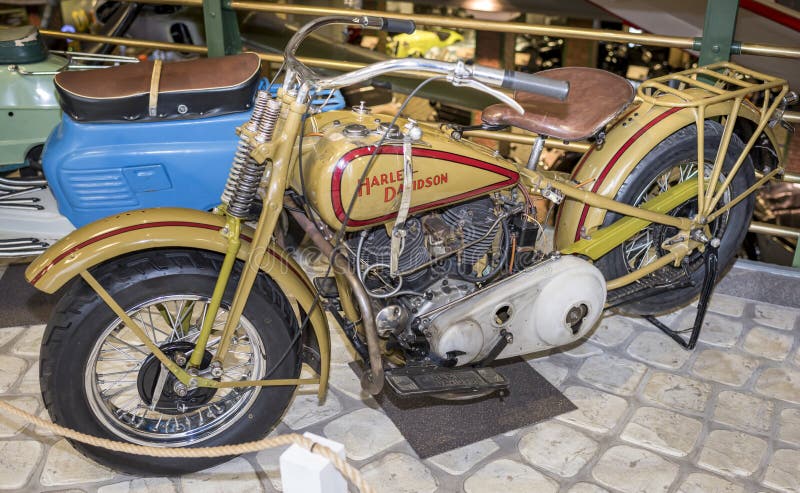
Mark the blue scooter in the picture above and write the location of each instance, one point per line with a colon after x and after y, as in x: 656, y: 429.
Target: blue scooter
x: 144, y: 141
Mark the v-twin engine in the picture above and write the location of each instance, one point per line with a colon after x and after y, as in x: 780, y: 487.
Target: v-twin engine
x: 550, y: 304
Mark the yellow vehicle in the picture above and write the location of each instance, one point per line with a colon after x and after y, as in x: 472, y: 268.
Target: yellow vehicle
x: 420, y: 42
x: 189, y: 328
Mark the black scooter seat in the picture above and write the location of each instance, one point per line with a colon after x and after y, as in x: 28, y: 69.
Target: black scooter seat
x: 185, y: 90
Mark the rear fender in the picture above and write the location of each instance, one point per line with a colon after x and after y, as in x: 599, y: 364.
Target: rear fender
x: 148, y: 229
x: 604, y: 169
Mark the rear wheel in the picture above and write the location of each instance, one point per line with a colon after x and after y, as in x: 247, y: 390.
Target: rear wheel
x: 97, y: 377
x: 672, y: 161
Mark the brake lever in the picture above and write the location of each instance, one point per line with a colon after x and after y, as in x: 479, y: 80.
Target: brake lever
x: 462, y: 77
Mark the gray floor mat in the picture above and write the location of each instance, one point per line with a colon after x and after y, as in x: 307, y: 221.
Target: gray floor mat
x: 434, y: 426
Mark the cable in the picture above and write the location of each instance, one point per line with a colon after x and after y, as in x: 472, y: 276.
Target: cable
x: 368, y: 168
x: 469, y: 276
x: 300, y: 161
x: 275, y: 77
x: 337, y: 239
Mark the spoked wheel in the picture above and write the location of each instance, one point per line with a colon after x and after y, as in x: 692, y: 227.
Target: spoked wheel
x: 646, y: 246
x: 99, y: 378
x: 673, y: 161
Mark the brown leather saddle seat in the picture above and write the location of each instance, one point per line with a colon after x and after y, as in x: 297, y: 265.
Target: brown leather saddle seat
x: 181, y: 90
x: 595, y: 98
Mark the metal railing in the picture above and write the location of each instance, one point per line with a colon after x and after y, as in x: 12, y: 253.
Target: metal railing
x: 687, y: 43
x: 783, y: 231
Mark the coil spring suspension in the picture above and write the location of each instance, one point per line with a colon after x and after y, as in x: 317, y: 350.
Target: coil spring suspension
x: 245, y: 175
x: 266, y: 125
x: 243, y: 147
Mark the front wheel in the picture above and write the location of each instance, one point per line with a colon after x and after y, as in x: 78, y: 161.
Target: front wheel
x: 98, y: 378
x: 672, y: 161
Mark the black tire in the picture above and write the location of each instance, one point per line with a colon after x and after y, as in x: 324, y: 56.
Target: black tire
x: 72, y: 341
x: 680, y: 149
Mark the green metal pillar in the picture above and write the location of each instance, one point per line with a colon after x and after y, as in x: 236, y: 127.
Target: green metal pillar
x: 717, y: 43
x: 222, y: 28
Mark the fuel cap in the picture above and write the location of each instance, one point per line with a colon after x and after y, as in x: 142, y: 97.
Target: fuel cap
x: 356, y: 130
x: 394, y: 130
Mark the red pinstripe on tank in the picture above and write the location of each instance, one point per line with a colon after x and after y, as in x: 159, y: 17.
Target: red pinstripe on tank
x: 510, y: 177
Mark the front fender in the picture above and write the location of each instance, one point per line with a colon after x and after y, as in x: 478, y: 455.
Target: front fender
x: 604, y: 169
x: 147, y: 229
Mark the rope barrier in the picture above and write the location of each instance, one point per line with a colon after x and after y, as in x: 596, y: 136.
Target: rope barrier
x: 348, y: 471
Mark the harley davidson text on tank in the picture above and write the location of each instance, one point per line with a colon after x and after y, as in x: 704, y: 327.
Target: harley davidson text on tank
x: 188, y: 328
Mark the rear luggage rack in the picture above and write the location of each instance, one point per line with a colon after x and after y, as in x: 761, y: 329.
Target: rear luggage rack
x: 697, y: 89
x: 700, y: 88
x: 719, y: 82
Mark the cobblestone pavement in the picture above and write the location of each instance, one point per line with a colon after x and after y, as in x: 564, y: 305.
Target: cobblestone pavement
x: 652, y: 418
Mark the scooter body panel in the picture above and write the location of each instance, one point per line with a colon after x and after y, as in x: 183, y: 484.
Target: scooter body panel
x: 96, y: 170
x: 29, y: 109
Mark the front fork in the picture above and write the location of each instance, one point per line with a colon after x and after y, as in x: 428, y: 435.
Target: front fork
x: 232, y: 229
x: 278, y: 155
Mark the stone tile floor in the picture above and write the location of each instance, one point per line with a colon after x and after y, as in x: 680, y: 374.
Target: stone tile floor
x: 652, y: 418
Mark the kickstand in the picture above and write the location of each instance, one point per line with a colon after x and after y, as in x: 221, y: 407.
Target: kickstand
x: 711, y: 261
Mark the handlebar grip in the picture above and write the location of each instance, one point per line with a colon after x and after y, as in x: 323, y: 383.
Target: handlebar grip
x: 550, y: 88
x: 398, y: 26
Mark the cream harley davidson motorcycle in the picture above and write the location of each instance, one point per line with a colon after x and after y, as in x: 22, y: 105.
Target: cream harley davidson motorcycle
x: 189, y: 328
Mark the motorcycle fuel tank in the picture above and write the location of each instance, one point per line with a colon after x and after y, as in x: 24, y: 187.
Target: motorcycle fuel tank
x: 445, y: 171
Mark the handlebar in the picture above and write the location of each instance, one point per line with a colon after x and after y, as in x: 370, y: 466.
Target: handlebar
x: 520, y: 81
x: 398, y: 26
x: 458, y: 74
x: 551, y: 88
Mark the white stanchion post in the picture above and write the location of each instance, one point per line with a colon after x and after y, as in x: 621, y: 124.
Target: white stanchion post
x: 303, y: 471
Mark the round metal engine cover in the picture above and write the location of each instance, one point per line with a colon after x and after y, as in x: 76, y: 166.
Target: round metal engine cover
x: 581, y: 290
x: 551, y: 304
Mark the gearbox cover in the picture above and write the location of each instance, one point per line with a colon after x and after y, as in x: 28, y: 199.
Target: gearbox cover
x: 550, y: 304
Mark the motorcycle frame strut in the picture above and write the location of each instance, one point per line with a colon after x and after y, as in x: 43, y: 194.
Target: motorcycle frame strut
x: 232, y: 229
x: 270, y: 212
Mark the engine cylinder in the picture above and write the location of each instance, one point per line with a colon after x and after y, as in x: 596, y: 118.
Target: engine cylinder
x: 376, y: 249
x: 473, y: 219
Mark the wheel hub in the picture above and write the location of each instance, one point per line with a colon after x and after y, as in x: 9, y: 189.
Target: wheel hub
x: 170, y: 402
